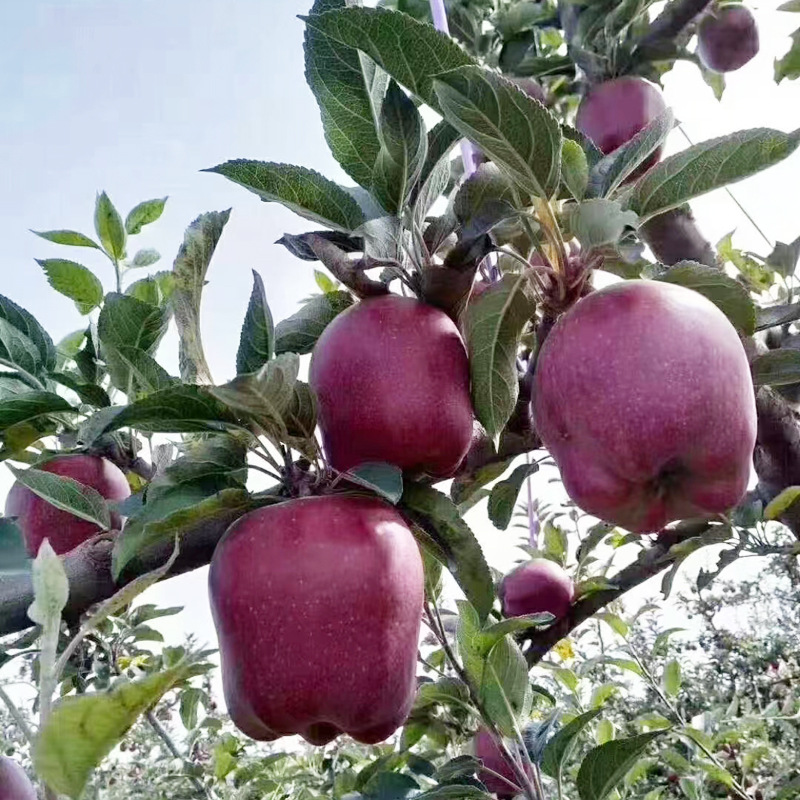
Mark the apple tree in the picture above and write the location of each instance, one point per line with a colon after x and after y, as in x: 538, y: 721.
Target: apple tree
x: 514, y: 280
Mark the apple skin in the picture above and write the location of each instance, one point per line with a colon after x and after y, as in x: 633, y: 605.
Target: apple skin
x: 391, y: 377
x: 39, y: 520
x: 487, y: 751
x: 317, y: 604
x: 613, y: 112
x: 727, y: 38
x: 14, y: 783
x: 643, y: 396
x: 536, y: 587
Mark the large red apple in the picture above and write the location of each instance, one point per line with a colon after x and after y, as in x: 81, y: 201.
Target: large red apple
x: 502, y: 783
x: 317, y: 604
x: 613, y: 112
x: 14, y: 783
x: 643, y: 396
x: 727, y: 38
x: 392, y: 382
x: 39, y: 520
x: 536, y: 587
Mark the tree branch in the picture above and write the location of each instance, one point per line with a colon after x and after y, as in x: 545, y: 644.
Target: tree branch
x: 650, y: 562
x: 672, y: 20
x: 88, y: 569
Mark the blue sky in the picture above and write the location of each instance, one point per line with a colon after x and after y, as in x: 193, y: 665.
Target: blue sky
x: 135, y: 97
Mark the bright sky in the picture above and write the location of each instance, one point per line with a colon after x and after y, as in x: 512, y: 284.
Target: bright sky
x: 135, y: 98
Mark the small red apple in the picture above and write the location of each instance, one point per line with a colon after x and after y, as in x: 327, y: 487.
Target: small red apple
x: 392, y: 382
x: 539, y: 586
x: 643, y: 396
x: 727, y: 38
x: 14, y: 783
x: 317, y: 604
x: 489, y: 753
x: 39, y: 520
x: 613, y: 112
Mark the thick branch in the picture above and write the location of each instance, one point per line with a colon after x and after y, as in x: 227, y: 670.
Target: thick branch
x: 88, y: 569
x: 674, y: 236
x: 672, y: 20
x: 651, y: 561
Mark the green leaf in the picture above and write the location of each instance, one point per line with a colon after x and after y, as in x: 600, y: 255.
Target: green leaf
x: 515, y: 131
x: 560, y: 747
x: 660, y: 644
x: 143, y: 214
x: 144, y: 258
x: 454, y: 792
x: 140, y: 371
x: 28, y: 406
x: 191, y: 698
x: 325, y: 283
x: 777, y: 368
x: 257, y: 340
x: 180, y: 409
x: 384, y: 479
x: 265, y: 395
x: 403, y: 149
x: 74, y: 281
x: 723, y: 291
x: 504, y: 495
x: 779, y: 505
x: 189, y: 276
x: 66, y: 494
x: 14, y: 559
x: 708, y: 166
x: 784, y: 257
x: 436, y: 514
x: 70, y: 238
x: 612, y: 170
x: 605, y: 731
x: 88, y: 392
x: 483, y: 200
x: 299, y: 333
x: 210, y: 457
x: 442, y: 138
x: 604, y: 767
x: 126, y: 325
x: 616, y: 623
x: 50, y: 592
x: 672, y: 678
x: 178, y: 510
x: 493, y: 325
x: 301, y: 190
x: 411, y: 52
x: 599, y: 222
x: 574, y: 168
x: 789, y: 65
x: 348, y: 88
x: 24, y: 323
x: 301, y: 421
x: 772, y: 316
x: 505, y: 689
x: 82, y: 731
x: 109, y: 228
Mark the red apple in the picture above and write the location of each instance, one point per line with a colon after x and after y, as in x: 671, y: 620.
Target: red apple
x: 392, y: 382
x: 537, y: 587
x: 643, y: 396
x: 612, y: 113
x: 317, y: 604
x: 727, y: 38
x: 488, y: 752
x: 39, y: 520
x: 14, y: 783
